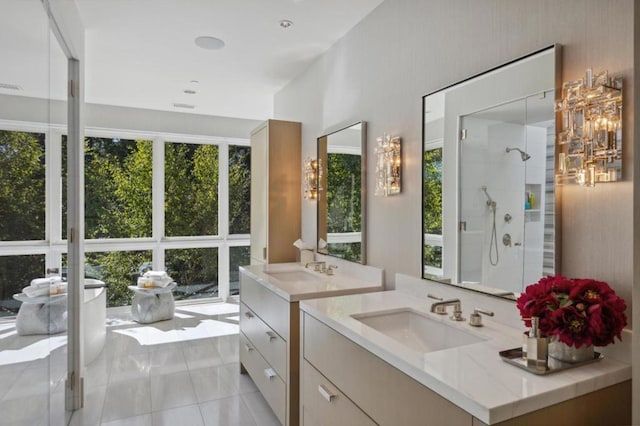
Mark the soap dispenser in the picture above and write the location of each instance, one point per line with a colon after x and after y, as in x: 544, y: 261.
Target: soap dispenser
x: 537, y: 347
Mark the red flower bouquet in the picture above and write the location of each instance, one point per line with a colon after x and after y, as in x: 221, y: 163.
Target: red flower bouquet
x: 578, y: 311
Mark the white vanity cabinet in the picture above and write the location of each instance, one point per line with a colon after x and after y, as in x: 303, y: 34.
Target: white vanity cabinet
x: 270, y: 330
x: 268, y: 345
x: 276, y: 181
x: 344, y: 383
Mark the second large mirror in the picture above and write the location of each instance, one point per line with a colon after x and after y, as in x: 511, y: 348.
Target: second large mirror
x: 341, y: 183
x: 489, y: 200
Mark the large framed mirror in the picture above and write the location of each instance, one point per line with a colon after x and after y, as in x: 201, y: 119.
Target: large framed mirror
x: 341, y: 186
x: 490, y: 207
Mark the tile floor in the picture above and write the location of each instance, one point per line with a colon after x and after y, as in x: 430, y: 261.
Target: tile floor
x: 182, y: 371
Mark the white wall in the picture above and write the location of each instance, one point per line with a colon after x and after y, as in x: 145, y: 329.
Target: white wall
x: 405, y: 49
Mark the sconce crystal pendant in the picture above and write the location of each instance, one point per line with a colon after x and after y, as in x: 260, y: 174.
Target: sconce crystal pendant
x: 590, y: 141
x: 312, y: 172
x: 388, y: 165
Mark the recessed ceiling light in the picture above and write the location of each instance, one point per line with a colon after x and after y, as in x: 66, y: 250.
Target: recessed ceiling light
x: 190, y: 92
x: 209, y: 43
x: 194, y: 82
x: 285, y: 23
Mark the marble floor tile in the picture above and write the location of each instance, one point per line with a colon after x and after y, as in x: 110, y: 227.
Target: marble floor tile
x: 172, y: 390
x: 259, y: 409
x: 230, y: 411
x: 129, y: 367
x: 143, y: 420
x: 127, y: 399
x: 202, y: 355
x: 181, y: 372
x: 187, y: 415
x: 30, y: 410
x: 167, y: 361
x: 209, y: 384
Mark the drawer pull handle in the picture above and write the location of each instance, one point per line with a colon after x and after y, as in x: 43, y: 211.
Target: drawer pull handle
x: 325, y: 393
x: 271, y: 335
x: 248, y: 348
x: 270, y: 373
x: 248, y: 315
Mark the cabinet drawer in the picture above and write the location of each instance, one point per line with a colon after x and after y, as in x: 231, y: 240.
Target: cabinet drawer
x: 271, y: 386
x: 270, y: 345
x: 270, y: 307
x: 325, y: 405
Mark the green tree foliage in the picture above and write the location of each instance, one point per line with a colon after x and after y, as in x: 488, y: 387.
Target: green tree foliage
x: 196, y: 268
x: 191, y: 189
x: 344, y: 202
x: 239, y: 189
x: 22, y: 209
x: 432, y: 204
x: 343, y: 193
x: 119, y: 269
x: 22, y: 186
x: 118, y: 185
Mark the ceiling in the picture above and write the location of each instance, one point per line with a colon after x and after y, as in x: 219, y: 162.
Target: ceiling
x: 141, y: 53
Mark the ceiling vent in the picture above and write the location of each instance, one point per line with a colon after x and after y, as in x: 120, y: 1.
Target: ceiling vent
x: 7, y: 86
x: 187, y: 106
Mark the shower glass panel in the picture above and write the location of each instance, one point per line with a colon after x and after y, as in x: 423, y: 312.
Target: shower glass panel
x: 503, y: 188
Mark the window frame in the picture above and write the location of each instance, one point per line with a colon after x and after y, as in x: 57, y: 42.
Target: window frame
x: 53, y: 246
x: 434, y: 240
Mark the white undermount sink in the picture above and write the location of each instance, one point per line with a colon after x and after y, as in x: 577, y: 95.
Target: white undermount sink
x: 417, y: 331
x: 293, y: 275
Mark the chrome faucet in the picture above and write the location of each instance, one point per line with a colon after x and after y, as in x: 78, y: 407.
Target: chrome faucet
x: 317, y: 266
x: 440, y: 307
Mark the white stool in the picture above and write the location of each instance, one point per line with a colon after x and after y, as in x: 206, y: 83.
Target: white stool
x: 41, y: 314
x: 152, y: 304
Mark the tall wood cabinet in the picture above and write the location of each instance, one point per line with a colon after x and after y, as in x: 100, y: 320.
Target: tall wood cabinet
x: 276, y: 182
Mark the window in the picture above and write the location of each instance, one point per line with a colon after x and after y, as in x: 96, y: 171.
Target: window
x: 191, y: 189
x: 238, y: 256
x: 126, y: 175
x: 119, y: 269
x: 432, y: 193
x: 16, y: 272
x: 22, y: 186
x: 239, y: 189
x: 195, y: 271
x: 343, y: 217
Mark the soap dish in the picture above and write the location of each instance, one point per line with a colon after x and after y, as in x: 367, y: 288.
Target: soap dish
x: 514, y: 357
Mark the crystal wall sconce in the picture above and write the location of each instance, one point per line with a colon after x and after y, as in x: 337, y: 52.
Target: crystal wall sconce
x: 590, y: 140
x: 311, y: 178
x: 388, y: 165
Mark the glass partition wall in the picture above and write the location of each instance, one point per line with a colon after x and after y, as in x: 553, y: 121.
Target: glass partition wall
x: 33, y: 363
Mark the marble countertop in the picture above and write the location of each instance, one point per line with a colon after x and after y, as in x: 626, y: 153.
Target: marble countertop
x: 474, y: 377
x: 318, y: 284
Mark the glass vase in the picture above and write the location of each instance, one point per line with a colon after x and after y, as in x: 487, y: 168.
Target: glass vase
x: 563, y: 352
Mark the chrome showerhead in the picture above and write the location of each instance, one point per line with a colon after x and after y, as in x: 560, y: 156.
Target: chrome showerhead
x: 523, y: 155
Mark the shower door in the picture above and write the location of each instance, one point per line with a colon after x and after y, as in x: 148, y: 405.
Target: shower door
x: 502, y: 165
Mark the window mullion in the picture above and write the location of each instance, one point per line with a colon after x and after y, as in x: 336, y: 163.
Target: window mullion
x: 158, y: 202
x: 223, y: 220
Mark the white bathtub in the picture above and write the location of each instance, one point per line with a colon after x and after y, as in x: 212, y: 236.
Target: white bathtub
x: 95, y: 317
